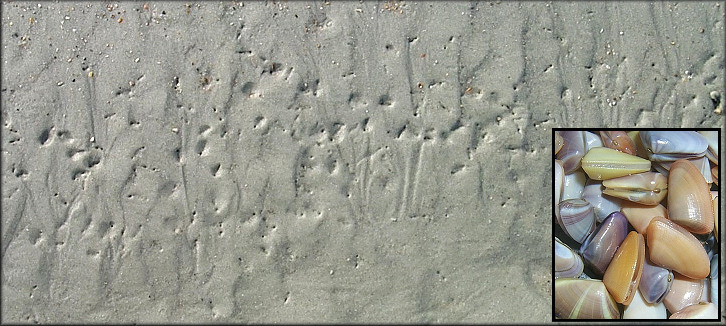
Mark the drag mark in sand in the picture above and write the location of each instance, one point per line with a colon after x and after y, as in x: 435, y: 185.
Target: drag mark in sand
x: 411, y: 179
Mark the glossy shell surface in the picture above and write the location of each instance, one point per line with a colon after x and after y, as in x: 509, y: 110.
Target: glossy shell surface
x: 641, y: 309
x: 647, y: 188
x: 654, y: 282
x: 701, y: 310
x: 572, y: 150
x: 673, y: 145
x: 623, y: 274
x: 601, y: 163
x: 689, y: 201
x: 599, y: 248
x: 673, y: 247
x: 567, y: 262
x: 640, y: 215
x: 618, y: 140
x: 685, y: 292
x: 636, y: 224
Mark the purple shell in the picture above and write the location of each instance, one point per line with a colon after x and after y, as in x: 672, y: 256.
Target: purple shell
x: 673, y: 145
x: 572, y: 151
x: 599, y: 248
x: 576, y: 218
x: 654, y: 282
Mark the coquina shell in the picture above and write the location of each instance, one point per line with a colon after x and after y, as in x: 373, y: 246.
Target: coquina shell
x: 584, y: 299
x: 654, y: 282
x: 640, y: 309
x: 647, y: 188
x: 559, y: 142
x: 684, y: 292
x: 592, y: 140
x: 715, y: 216
x: 623, y: 274
x: 572, y: 150
x: 701, y: 310
x: 700, y: 162
x: 574, y: 184
x: 640, y: 215
x: 602, y: 205
x: 714, y: 278
x: 559, y: 184
x: 714, y: 174
x: 600, y: 246
x: 567, y: 262
x: 602, y: 163
x: 673, y: 145
x: 618, y: 140
x: 673, y: 247
x: 576, y: 218
x: 712, y: 139
x: 689, y: 198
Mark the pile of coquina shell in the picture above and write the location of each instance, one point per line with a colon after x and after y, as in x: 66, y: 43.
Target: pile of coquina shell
x: 636, y: 224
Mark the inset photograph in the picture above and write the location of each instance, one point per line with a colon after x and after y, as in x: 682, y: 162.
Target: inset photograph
x: 636, y: 224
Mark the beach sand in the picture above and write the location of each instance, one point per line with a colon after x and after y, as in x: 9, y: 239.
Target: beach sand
x: 367, y: 162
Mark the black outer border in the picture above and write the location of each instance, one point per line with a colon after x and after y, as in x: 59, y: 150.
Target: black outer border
x: 720, y: 237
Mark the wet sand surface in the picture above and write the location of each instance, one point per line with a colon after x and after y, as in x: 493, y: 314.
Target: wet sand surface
x: 261, y: 162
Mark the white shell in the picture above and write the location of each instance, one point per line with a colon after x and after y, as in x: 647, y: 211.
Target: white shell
x: 572, y: 152
x: 602, y: 205
x: 700, y: 162
x: 640, y: 309
x: 567, y: 262
x: 701, y: 310
x: 712, y: 139
x: 559, y: 183
x: 673, y: 145
x: 714, y: 278
x: 574, y: 184
x: 592, y: 140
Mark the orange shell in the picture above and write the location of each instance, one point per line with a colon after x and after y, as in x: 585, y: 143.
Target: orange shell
x: 689, y: 198
x: 673, y: 247
x: 623, y: 274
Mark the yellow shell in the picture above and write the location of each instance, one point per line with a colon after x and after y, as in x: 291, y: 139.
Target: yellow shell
x: 648, y: 188
x: 602, y: 163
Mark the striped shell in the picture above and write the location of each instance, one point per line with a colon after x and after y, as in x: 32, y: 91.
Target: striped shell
x: 576, y: 218
x: 584, y: 299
